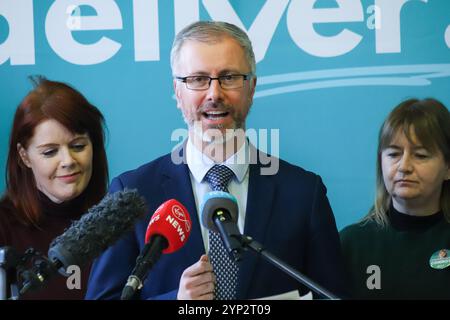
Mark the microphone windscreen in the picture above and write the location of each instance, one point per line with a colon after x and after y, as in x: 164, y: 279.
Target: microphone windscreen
x: 98, y: 229
x: 172, y: 221
x: 216, y: 200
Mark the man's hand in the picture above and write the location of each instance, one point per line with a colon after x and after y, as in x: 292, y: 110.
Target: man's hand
x: 197, y: 281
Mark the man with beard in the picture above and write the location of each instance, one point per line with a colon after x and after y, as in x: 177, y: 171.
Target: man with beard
x: 213, y: 66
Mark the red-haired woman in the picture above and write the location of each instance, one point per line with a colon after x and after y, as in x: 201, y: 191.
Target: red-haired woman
x: 56, y: 170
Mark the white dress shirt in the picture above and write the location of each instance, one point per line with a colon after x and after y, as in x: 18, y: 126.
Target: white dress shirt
x: 199, y: 164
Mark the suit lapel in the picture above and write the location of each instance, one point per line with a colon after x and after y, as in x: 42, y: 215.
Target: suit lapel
x: 177, y: 185
x: 261, y: 191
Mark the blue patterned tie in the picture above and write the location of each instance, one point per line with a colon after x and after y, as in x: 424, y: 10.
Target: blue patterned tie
x: 225, y: 269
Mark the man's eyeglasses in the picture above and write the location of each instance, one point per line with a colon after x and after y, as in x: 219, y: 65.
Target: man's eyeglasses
x: 229, y: 81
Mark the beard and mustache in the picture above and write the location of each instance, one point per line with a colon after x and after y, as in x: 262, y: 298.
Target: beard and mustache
x: 215, y: 133
x: 238, y: 118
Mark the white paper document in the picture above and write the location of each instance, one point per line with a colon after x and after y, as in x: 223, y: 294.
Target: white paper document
x: 291, y: 295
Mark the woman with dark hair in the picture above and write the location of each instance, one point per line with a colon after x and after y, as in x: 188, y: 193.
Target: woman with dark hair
x: 399, y: 250
x: 56, y: 170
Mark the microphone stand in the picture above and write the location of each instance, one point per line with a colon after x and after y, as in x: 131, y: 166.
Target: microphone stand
x: 3, y: 279
x: 22, y: 279
x: 10, y: 261
x: 248, y: 242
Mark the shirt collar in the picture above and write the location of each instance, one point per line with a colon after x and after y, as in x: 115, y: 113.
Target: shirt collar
x: 199, y: 164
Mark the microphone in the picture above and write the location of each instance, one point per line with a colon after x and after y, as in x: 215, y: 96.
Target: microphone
x: 88, y: 237
x: 168, y: 230
x: 219, y: 214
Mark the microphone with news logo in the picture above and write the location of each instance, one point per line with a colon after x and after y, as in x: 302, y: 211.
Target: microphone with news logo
x: 168, y: 230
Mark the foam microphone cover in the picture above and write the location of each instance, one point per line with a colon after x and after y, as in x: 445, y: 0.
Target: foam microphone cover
x: 98, y: 229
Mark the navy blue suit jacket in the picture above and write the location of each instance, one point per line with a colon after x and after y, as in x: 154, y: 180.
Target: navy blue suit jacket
x: 288, y: 213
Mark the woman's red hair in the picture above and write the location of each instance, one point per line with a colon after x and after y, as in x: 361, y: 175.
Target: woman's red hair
x: 58, y: 101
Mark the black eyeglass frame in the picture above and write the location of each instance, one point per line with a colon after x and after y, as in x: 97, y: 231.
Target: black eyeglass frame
x: 246, y: 76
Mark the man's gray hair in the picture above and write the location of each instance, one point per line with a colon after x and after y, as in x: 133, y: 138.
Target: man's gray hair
x: 210, y: 32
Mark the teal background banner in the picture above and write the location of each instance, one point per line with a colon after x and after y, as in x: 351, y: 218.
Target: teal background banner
x: 328, y: 74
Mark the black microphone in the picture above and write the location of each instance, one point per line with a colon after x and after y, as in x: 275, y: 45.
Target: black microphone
x: 88, y: 237
x: 219, y: 214
x: 168, y: 231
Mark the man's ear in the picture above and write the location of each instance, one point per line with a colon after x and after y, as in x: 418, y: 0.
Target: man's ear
x: 253, y: 88
x: 176, y: 89
x: 23, y: 155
